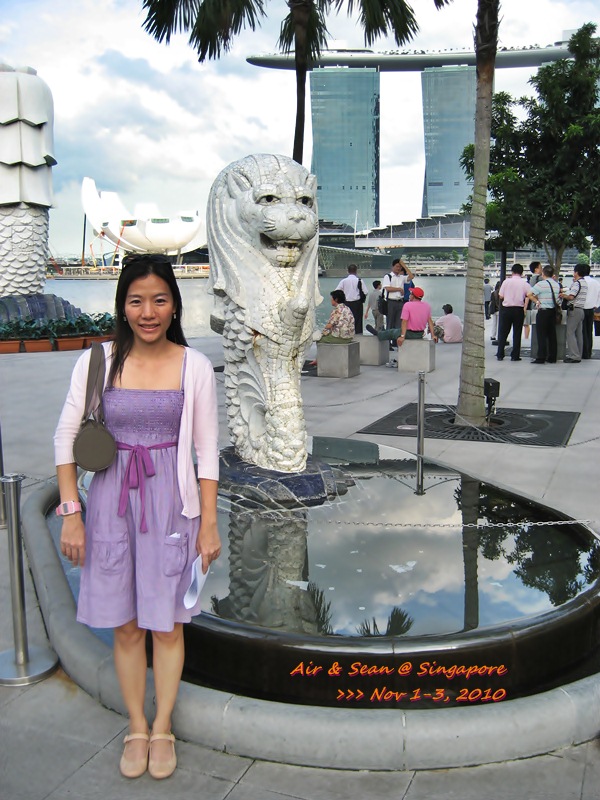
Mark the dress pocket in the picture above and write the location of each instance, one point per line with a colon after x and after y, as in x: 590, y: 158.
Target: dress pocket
x: 111, y: 551
x: 175, y: 554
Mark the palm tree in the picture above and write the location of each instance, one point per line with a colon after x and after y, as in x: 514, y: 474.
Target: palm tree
x: 471, y: 409
x: 212, y: 25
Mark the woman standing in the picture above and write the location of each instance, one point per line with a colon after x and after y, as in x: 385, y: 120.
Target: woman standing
x: 147, y: 516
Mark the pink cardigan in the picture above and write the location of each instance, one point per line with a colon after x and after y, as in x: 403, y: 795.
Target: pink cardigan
x: 199, y: 423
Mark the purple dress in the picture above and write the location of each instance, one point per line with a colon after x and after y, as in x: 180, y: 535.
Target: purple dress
x: 139, y: 547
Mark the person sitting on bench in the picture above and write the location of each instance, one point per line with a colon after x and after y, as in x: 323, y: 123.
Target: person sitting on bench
x: 416, y: 316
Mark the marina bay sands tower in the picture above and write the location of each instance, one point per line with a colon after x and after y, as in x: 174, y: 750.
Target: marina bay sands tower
x: 345, y: 101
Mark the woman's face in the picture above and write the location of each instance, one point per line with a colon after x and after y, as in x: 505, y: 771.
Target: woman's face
x: 334, y: 302
x: 149, y: 308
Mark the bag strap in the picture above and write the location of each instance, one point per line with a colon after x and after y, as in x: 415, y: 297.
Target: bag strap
x: 95, y: 385
x: 553, y: 297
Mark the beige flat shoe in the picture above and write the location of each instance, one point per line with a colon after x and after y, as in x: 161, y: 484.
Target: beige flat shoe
x: 133, y: 768
x: 162, y: 769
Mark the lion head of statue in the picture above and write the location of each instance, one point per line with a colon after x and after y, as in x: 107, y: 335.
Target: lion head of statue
x: 262, y: 227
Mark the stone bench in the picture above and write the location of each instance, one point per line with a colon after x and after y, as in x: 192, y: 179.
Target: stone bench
x: 416, y: 355
x: 373, y: 352
x: 338, y: 360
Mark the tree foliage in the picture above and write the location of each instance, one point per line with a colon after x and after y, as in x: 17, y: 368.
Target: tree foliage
x: 213, y: 24
x: 543, y: 185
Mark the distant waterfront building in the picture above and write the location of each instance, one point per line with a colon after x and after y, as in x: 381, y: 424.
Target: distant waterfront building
x: 448, y: 87
x: 449, y: 98
x: 345, y: 159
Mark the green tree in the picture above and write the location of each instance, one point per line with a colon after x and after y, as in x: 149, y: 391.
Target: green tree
x: 213, y: 24
x: 470, y: 408
x: 596, y: 256
x: 561, y: 150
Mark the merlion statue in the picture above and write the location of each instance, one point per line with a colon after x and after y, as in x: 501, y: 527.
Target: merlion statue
x: 26, y: 161
x: 262, y: 228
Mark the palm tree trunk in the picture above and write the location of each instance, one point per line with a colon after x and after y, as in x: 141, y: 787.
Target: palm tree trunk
x: 471, y: 408
x: 300, y: 10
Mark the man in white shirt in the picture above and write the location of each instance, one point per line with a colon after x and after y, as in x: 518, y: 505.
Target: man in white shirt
x: 592, y: 301
x: 393, y: 286
x: 350, y: 286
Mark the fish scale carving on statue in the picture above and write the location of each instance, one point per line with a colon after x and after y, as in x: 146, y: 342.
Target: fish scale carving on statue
x: 262, y: 227
x: 26, y: 161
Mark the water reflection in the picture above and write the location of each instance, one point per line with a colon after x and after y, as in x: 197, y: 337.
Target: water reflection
x: 383, y: 561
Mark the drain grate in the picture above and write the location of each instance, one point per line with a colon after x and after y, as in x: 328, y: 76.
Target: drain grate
x: 508, y: 426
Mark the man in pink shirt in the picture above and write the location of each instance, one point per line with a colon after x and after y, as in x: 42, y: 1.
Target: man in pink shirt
x: 513, y: 294
x: 450, y: 325
x: 416, y: 316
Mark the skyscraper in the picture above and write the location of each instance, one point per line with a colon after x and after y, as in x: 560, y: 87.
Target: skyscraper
x: 345, y: 125
x: 449, y: 97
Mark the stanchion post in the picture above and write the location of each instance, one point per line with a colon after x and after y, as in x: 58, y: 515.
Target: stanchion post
x: 2, y: 494
x: 23, y: 665
x: 420, y: 432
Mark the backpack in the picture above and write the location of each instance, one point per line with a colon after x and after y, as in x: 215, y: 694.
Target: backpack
x: 382, y: 300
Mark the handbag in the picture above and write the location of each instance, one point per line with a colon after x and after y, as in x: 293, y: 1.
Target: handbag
x: 557, y: 308
x: 94, y: 448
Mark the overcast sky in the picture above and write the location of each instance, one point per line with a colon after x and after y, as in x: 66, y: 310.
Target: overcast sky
x: 151, y: 123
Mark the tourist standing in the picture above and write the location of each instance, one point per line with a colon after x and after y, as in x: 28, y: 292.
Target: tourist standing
x: 513, y: 292
x: 150, y: 513
x: 545, y: 295
x: 592, y: 301
x: 373, y: 306
x: 355, y: 295
x: 487, y: 296
x: 393, y: 287
x: 535, y: 268
x: 575, y: 296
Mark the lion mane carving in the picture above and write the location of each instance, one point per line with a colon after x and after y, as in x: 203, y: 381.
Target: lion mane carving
x: 262, y: 230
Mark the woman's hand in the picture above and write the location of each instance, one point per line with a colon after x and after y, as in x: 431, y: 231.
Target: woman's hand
x: 208, y: 543
x: 72, y: 539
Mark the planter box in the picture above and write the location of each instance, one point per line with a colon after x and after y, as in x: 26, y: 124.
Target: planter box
x: 10, y: 346
x: 70, y: 343
x: 89, y: 339
x: 37, y: 345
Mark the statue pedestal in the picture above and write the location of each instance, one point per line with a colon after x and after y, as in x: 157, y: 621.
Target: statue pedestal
x: 338, y: 360
x: 248, y: 483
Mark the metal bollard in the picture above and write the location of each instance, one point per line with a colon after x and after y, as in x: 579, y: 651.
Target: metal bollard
x: 2, y: 500
x: 24, y: 664
x: 420, y: 432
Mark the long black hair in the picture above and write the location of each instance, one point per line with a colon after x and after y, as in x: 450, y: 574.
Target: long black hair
x: 132, y: 268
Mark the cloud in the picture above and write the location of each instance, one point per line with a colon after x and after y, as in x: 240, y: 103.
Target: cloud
x: 151, y: 122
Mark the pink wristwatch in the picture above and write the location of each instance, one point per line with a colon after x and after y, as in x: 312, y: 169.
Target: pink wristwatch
x: 68, y: 507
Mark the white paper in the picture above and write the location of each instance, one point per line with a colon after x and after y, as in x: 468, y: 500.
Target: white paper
x: 198, y: 580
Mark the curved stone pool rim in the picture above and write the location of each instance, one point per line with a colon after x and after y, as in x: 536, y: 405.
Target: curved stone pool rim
x: 340, y: 738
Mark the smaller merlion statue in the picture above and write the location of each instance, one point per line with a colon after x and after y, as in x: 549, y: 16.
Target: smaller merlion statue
x: 26, y: 161
x: 262, y: 228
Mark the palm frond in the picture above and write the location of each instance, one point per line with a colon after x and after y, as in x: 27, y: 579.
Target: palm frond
x: 212, y: 23
x: 383, y: 18
x: 316, y: 32
x: 166, y: 17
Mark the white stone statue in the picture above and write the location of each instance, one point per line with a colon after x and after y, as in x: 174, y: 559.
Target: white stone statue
x: 262, y: 229
x: 26, y: 161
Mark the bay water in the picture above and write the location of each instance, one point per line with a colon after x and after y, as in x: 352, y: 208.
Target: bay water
x: 94, y: 296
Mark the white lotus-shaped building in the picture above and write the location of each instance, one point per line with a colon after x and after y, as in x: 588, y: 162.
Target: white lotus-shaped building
x: 143, y: 231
